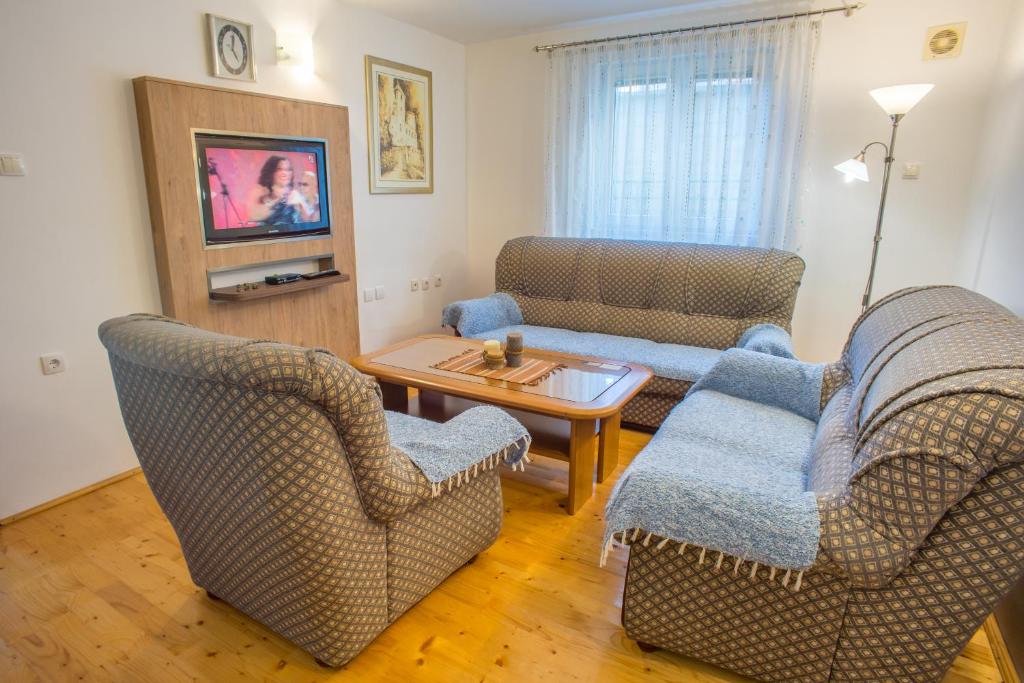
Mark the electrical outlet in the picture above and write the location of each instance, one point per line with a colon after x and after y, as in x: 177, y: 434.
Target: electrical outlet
x: 425, y: 284
x: 437, y: 280
x: 53, y: 363
x: 414, y: 285
x: 378, y: 292
x: 368, y: 294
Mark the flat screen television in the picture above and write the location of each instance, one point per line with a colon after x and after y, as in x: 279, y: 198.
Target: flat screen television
x: 258, y: 188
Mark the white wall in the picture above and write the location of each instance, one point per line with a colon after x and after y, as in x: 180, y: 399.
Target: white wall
x: 75, y: 244
x: 992, y: 253
x: 880, y: 45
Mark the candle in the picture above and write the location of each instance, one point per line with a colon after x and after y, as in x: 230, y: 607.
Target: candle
x: 492, y: 347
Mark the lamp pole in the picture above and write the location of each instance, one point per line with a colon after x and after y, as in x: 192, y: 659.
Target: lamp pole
x: 889, y: 158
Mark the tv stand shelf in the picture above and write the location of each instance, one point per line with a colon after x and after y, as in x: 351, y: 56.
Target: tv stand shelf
x: 262, y: 290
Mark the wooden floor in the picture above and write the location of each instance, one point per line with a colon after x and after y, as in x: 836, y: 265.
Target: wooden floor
x: 96, y: 589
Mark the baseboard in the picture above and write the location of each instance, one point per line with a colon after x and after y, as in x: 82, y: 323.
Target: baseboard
x: 999, y: 652
x: 69, y: 496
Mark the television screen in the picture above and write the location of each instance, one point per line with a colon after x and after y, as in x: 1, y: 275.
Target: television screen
x: 254, y: 188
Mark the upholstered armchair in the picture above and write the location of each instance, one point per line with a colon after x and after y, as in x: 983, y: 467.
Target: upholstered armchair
x: 913, y: 472
x: 278, y: 469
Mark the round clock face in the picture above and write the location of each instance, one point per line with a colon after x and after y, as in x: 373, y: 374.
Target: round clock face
x: 232, y: 49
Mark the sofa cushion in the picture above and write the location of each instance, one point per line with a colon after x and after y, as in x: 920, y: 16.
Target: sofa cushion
x: 673, y: 361
x: 726, y: 474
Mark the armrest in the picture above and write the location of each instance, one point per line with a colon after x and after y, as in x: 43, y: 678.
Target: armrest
x: 767, y: 338
x: 448, y: 454
x: 473, y: 316
x: 781, y: 382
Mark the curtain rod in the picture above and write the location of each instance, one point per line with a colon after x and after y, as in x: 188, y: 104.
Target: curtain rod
x: 847, y: 9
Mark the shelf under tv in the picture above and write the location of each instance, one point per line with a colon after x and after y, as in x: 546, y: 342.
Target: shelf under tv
x: 261, y: 290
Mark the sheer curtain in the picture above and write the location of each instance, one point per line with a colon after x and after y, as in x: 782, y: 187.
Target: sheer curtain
x: 694, y: 137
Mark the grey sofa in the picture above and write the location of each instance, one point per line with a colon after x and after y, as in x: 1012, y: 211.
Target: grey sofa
x: 296, y: 498
x: 905, y: 489
x: 667, y: 305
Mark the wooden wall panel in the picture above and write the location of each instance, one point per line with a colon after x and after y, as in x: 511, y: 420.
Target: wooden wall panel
x: 326, y: 317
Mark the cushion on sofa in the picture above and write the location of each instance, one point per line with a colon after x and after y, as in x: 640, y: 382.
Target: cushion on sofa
x: 674, y: 361
x: 726, y: 474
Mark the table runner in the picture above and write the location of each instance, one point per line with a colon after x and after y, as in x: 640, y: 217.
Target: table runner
x: 471, y: 362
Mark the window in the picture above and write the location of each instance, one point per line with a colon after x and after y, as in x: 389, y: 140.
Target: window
x: 689, y: 138
x: 641, y: 163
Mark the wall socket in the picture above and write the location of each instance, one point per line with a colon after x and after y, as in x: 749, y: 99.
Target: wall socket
x: 414, y: 285
x: 437, y: 280
x: 52, y: 363
x: 425, y: 284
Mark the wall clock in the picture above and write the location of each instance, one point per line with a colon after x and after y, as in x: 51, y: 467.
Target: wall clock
x: 231, y: 54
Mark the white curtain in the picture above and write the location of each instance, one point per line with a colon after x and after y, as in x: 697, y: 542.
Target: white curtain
x: 694, y: 137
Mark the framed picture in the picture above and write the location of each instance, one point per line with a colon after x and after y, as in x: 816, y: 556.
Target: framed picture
x: 231, y: 51
x: 399, y: 121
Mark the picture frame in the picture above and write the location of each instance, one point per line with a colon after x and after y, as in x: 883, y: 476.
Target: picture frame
x: 400, y: 127
x: 231, y: 48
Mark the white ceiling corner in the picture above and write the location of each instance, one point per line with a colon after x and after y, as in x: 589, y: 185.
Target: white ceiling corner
x: 474, y: 21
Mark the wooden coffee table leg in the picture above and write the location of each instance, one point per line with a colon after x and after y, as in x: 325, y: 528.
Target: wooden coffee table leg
x: 608, y: 446
x: 396, y: 396
x: 583, y: 434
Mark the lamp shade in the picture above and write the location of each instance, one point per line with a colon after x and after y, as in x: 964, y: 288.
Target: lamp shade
x: 854, y: 169
x: 899, y: 99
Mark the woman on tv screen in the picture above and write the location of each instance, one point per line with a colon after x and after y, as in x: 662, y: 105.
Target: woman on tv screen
x: 272, y: 200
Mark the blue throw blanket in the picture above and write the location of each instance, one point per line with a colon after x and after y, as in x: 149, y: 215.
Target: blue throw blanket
x: 474, y: 316
x: 781, y: 382
x: 727, y: 470
x: 452, y: 452
x: 767, y: 338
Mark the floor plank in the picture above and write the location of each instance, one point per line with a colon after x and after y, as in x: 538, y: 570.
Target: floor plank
x: 96, y: 589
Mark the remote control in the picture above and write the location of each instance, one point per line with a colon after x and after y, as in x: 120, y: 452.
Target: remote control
x: 280, y: 279
x: 321, y: 273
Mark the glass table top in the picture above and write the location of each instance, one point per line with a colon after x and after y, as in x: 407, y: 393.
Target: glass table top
x: 579, y: 381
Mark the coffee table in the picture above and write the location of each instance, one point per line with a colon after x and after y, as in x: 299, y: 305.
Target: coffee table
x: 567, y: 414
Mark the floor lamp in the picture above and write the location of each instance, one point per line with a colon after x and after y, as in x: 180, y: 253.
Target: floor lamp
x: 896, y: 100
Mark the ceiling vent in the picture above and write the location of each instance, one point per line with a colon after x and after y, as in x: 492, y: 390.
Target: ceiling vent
x: 942, y: 42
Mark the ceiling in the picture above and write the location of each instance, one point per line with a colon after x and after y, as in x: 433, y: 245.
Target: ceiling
x: 473, y: 21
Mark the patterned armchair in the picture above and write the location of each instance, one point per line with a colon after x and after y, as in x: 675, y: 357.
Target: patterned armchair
x: 291, y: 502
x: 917, y: 469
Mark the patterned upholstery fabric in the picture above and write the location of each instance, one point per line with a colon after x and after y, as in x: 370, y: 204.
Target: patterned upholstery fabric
x: 274, y: 466
x: 918, y: 469
x: 696, y: 295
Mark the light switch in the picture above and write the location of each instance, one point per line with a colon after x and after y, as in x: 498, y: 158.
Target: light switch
x: 12, y: 164
x: 368, y: 294
x: 378, y: 291
x: 912, y: 170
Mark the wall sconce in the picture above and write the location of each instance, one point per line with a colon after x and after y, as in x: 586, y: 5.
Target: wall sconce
x: 295, y: 49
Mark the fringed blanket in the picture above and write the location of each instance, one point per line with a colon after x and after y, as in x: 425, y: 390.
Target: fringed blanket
x: 454, y: 452
x: 728, y: 474
x: 473, y: 316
